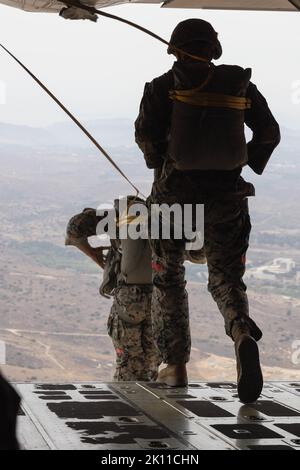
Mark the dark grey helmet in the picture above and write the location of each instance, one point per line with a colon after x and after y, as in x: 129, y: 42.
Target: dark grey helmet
x: 193, y: 30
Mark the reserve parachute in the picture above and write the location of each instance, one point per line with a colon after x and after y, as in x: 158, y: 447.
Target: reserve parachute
x: 207, y: 126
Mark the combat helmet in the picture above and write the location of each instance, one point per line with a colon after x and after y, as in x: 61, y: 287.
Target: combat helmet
x: 193, y: 30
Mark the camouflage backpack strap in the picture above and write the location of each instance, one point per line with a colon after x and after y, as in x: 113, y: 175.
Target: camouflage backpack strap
x: 111, y: 271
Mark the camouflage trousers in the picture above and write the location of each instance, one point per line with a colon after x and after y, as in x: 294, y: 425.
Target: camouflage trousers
x: 130, y: 328
x: 226, y: 238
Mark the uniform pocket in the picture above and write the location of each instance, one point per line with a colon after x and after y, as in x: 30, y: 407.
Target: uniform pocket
x: 114, y: 325
x: 133, y: 304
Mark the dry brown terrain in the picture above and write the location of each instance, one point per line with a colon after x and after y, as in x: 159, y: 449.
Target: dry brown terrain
x: 51, y: 317
x: 54, y: 326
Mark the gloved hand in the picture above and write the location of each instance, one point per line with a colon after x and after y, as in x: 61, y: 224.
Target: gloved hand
x: 98, y: 255
x: 74, y: 13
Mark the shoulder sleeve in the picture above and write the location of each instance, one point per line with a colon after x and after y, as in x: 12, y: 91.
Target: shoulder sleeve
x: 266, y: 131
x: 153, y: 122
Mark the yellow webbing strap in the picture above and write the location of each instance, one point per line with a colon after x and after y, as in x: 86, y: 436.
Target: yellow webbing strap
x: 215, y: 100
x: 132, y: 219
x: 126, y: 219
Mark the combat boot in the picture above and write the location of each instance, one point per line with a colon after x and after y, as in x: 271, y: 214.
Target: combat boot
x: 173, y: 375
x: 249, y: 374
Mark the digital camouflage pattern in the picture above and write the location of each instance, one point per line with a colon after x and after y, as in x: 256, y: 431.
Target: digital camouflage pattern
x: 82, y: 226
x: 130, y: 328
x: 226, y: 239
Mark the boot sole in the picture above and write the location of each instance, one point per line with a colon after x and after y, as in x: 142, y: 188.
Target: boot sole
x: 250, y: 383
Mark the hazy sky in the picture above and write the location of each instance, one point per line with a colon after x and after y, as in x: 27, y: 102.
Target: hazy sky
x: 99, y: 69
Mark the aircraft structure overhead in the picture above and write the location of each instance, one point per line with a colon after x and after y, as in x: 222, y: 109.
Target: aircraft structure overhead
x: 54, y: 6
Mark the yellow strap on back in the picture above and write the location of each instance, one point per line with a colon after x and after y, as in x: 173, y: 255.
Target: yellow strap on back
x: 214, y: 100
x: 131, y: 219
x: 126, y: 219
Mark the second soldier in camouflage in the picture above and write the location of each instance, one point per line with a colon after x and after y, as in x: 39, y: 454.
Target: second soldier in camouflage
x: 128, y: 279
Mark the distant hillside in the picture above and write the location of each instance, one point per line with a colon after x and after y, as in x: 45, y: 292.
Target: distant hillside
x: 110, y: 132
x: 11, y: 134
x: 52, y: 318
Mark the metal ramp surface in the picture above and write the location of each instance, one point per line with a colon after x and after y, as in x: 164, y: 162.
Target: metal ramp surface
x: 136, y: 416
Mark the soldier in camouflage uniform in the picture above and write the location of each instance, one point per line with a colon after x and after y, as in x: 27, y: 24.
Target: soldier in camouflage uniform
x: 191, y: 131
x: 129, y: 322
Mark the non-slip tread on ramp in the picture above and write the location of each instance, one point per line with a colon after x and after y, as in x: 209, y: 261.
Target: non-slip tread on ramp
x: 135, y: 416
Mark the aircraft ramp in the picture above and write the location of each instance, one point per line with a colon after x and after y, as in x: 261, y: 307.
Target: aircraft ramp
x: 143, y: 416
